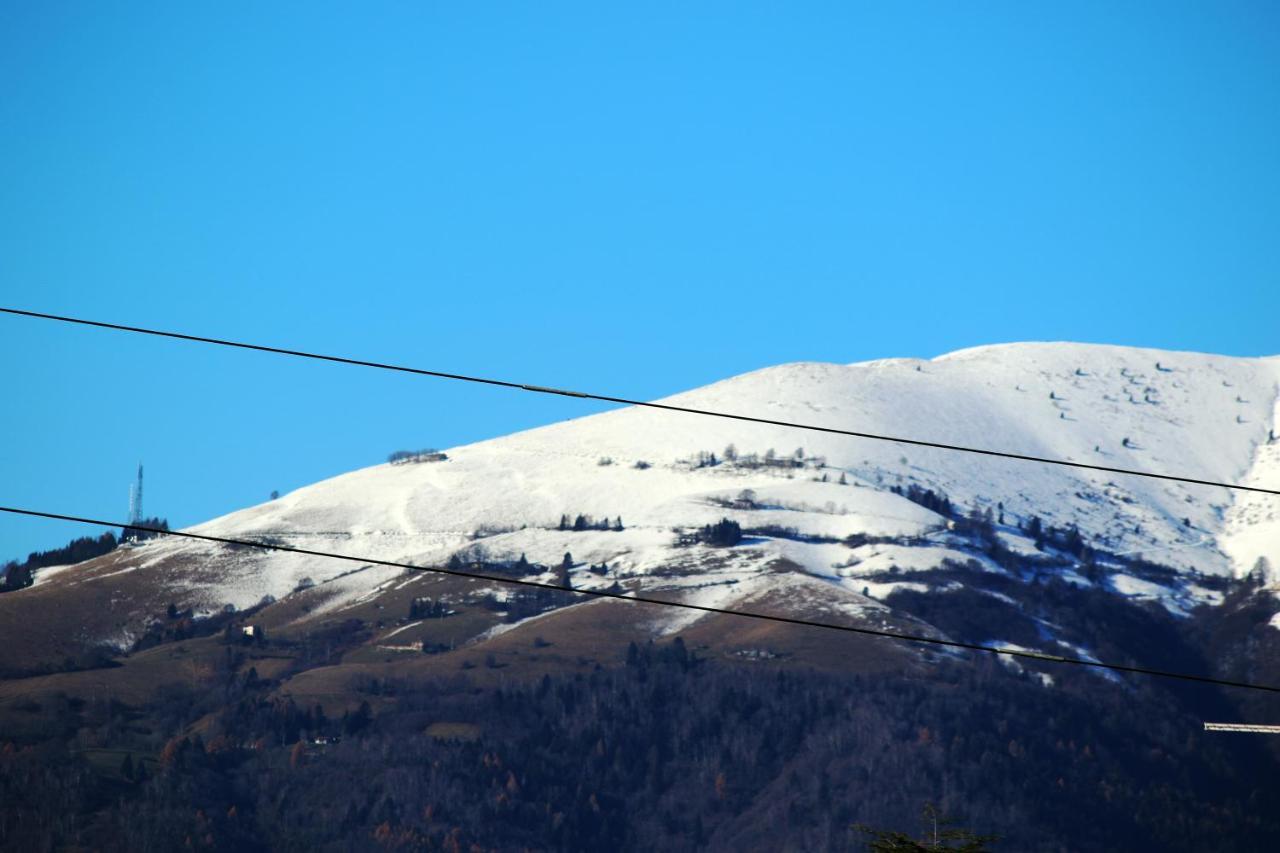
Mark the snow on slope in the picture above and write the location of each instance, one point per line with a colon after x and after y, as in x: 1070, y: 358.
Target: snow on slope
x: 1252, y: 526
x: 1201, y: 416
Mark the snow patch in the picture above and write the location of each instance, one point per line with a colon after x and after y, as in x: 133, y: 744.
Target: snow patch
x: 1138, y: 588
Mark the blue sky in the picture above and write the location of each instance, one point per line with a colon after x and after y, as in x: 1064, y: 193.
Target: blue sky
x: 634, y: 198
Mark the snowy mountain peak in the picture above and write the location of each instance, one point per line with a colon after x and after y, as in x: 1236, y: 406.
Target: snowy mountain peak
x: 1201, y: 416
x: 859, y: 518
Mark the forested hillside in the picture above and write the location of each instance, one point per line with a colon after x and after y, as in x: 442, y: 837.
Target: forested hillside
x: 664, y: 750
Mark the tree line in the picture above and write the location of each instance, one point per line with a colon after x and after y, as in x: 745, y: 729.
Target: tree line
x: 582, y: 522
x: 20, y: 575
x: 403, y: 457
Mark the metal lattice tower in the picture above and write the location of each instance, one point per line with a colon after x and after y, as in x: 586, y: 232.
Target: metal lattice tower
x: 135, y: 499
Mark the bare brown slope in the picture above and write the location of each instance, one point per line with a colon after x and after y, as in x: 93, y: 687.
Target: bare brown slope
x: 74, y: 609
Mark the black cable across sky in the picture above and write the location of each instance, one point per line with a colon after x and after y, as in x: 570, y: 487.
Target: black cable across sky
x: 622, y: 596
x: 605, y: 398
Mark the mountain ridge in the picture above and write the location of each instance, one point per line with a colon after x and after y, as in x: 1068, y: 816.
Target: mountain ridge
x: 838, y: 510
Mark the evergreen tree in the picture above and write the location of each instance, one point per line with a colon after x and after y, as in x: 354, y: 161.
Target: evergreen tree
x: 680, y: 653
x: 723, y: 534
x: 1073, y: 542
x: 18, y: 577
x: 1035, y: 529
x: 940, y: 834
x: 1089, y: 565
x: 359, y: 721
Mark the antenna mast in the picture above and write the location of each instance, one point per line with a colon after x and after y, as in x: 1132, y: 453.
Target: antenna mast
x: 135, y: 499
x: 138, y: 508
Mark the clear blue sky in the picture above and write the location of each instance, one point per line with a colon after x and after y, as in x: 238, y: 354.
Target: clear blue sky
x: 635, y: 198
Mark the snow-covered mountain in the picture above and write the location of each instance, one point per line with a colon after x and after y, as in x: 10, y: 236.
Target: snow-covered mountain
x: 835, y: 510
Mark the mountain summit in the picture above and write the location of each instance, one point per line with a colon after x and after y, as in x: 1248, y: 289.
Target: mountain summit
x: 830, y: 522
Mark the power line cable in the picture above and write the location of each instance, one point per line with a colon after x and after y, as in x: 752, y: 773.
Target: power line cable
x: 766, y: 617
x: 605, y: 398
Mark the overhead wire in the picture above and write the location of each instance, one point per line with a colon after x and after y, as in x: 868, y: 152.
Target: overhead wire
x: 609, y: 398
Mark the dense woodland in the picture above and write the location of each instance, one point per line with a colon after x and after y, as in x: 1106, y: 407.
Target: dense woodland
x: 663, y: 751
